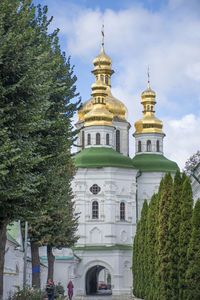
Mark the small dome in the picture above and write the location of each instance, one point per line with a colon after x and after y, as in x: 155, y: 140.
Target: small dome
x: 154, y: 163
x: 102, y: 59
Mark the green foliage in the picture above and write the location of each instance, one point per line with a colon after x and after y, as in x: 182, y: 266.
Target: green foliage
x: 174, y: 227
x: 28, y: 294
x: 184, y: 234
x: 163, y: 236
x: 140, y: 249
x: 192, y: 290
x: 59, y: 290
x: 152, y: 222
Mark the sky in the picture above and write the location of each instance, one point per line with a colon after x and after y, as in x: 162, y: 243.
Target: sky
x: 161, y: 34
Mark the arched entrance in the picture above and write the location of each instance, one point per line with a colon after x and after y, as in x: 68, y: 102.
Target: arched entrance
x: 92, y: 284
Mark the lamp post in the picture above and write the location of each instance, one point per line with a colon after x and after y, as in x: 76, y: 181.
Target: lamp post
x: 25, y: 254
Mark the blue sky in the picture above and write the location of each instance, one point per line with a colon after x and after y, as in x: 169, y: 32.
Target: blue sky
x: 161, y: 34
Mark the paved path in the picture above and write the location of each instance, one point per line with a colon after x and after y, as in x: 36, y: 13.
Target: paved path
x: 97, y: 297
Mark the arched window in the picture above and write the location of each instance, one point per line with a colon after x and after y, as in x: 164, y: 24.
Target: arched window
x: 83, y: 139
x: 122, y: 211
x: 107, y: 139
x: 118, y: 141
x: 89, y: 139
x: 106, y: 79
x: 98, y: 139
x: 95, y: 210
x: 148, y: 146
x: 147, y: 107
x: 151, y: 108
x: 139, y: 146
x: 102, y: 78
x: 157, y: 146
x: 99, y: 100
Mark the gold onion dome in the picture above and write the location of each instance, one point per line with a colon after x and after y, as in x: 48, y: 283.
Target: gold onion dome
x: 101, y: 88
x: 149, y: 123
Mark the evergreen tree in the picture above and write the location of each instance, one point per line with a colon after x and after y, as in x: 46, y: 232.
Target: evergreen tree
x: 142, y: 250
x: 174, y: 227
x: 163, y: 236
x: 184, y: 234
x: 135, y: 263
x: 151, y: 247
x: 192, y: 291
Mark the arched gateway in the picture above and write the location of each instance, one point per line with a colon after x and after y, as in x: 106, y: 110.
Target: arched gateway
x: 92, y: 282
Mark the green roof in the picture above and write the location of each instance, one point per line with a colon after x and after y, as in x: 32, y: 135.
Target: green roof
x: 11, y: 239
x: 154, y: 163
x: 102, y: 247
x: 101, y: 157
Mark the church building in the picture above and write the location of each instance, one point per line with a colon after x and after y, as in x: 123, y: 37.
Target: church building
x: 109, y: 186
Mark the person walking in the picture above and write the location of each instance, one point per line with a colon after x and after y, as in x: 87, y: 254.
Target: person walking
x: 50, y: 289
x: 70, y: 287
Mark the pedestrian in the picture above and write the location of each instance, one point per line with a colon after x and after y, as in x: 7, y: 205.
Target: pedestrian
x: 50, y: 289
x: 70, y: 289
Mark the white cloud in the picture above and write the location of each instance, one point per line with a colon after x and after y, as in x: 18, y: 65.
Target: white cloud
x: 182, y: 138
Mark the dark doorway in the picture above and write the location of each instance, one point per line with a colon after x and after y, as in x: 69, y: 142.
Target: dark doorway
x: 92, y: 284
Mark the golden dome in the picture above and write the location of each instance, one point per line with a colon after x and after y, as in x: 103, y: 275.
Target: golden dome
x: 101, y: 92
x: 98, y: 116
x: 112, y: 105
x: 149, y: 123
x: 102, y: 60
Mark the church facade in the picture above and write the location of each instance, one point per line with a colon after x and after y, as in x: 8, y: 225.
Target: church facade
x: 109, y: 187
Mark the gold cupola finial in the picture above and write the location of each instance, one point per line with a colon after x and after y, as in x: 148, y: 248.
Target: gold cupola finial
x: 149, y: 123
x: 148, y: 75
x: 102, y: 65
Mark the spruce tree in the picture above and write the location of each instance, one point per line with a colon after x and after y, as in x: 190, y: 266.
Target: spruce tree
x: 192, y: 291
x: 184, y: 234
x: 163, y: 236
x: 174, y: 227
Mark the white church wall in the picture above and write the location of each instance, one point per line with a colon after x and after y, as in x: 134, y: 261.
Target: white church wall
x: 123, y: 127
x: 117, y: 262
x: 117, y: 184
x: 153, y: 137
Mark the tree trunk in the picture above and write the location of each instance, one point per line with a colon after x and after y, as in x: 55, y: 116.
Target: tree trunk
x: 51, y: 259
x: 35, y: 265
x: 2, y: 255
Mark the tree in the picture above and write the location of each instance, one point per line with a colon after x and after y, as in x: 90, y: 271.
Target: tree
x: 191, y: 163
x: 135, y: 263
x: 184, y: 234
x: 29, y: 57
x: 152, y: 247
x: 192, y: 291
x: 163, y: 236
x: 174, y: 227
x: 142, y: 250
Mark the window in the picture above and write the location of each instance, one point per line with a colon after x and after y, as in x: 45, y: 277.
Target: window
x: 99, y: 100
x: 107, y: 139
x: 118, y: 141
x: 95, y: 210
x: 151, y: 108
x: 98, y: 139
x: 106, y: 79
x: 89, y: 139
x: 148, y: 146
x: 83, y: 139
x: 95, y: 189
x: 139, y: 146
x: 147, y: 107
x: 102, y: 78
x: 122, y: 211
x: 157, y: 146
